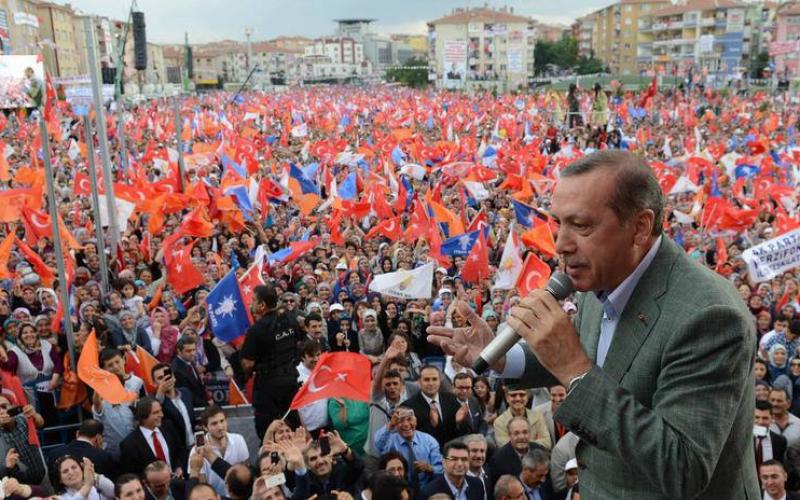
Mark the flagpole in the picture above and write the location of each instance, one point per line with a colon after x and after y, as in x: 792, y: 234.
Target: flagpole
x: 62, y: 275
x: 113, y: 226
x: 98, y: 226
x: 179, y: 142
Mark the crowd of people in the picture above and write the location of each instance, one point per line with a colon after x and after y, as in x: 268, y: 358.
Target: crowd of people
x: 342, y: 185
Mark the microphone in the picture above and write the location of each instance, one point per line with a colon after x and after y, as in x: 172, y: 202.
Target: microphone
x: 559, y: 286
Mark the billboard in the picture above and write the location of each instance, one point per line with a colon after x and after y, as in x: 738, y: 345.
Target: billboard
x: 13, y: 83
x: 455, y: 64
x: 515, y: 64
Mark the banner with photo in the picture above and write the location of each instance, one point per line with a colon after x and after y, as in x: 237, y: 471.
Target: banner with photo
x: 14, y: 84
x: 455, y: 64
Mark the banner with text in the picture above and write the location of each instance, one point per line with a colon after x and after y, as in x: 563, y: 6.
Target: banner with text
x: 773, y: 257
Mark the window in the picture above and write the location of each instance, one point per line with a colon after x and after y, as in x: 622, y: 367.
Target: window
x: 628, y: 21
x: 629, y: 8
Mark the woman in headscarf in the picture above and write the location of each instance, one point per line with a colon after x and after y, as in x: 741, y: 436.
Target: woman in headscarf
x: 37, y: 363
x: 129, y: 335
x: 778, y: 361
x: 162, y: 335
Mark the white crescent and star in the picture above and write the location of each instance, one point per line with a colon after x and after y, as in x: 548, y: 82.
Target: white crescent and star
x: 312, y: 385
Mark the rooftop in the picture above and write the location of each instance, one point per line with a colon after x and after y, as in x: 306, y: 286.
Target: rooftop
x: 483, y: 14
x: 697, y: 5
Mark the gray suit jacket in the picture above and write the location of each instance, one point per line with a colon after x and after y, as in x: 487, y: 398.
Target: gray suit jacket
x: 670, y: 414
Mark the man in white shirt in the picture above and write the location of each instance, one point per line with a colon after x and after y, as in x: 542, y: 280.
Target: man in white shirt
x: 229, y: 446
x: 773, y: 481
x: 314, y: 415
x: 783, y: 422
x: 476, y: 445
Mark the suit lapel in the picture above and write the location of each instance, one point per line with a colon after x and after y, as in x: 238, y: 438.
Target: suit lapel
x: 590, y: 325
x: 641, y: 312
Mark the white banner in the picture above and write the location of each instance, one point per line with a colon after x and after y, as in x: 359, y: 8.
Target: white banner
x: 455, y: 64
x: 773, y: 257
x: 23, y: 18
x: 515, y: 64
x: 414, y: 284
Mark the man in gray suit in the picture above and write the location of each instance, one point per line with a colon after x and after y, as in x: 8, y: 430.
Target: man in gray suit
x: 658, y: 363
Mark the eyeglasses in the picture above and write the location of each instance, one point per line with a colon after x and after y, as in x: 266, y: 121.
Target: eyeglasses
x: 457, y: 459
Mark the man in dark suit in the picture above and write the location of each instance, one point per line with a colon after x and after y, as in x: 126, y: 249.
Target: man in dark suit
x: 508, y: 459
x: 186, y: 374
x: 176, y: 402
x: 768, y: 445
x: 88, y: 443
x: 473, y: 421
x: 438, y: 413
x: 154, y: 439
x: 535, y: 478
x: 658, y: 360
x: 478, y: 468
x: 455, y: 480
x: 773, y: 481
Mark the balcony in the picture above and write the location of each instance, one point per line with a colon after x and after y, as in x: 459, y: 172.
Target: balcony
x: 707, y: 21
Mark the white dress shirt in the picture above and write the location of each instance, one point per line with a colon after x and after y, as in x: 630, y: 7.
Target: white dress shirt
x: 236, y: 452
x: 148, y: 437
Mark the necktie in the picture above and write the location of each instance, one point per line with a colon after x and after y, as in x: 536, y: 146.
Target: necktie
x: 469, y: 413
x: 759, y: 452
x: 412, y: 457
x: 434, y: 415
x: 158, y: 448
x: 560, y: 431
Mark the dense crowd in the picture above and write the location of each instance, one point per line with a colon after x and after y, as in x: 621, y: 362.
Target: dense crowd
x: 342, y: 185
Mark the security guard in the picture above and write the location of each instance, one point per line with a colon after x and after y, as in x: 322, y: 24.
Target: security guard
x: 270, y: 349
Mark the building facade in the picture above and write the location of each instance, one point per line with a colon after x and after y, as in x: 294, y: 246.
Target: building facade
x: 786, y: 49
x: 708, y: 35
x: 22, y: 18
x: 481, y: 48
x: 58, y: 40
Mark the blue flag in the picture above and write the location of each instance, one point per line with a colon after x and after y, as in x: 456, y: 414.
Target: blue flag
x: 228, y: 163
x: 306, y: 184
x: 239, y: 194
x: 348, y: 190
x: 527, y: 215
x: 227, y: 313
x: 746, y: 171
x: 460, y: 246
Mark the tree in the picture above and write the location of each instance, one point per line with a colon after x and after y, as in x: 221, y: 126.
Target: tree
x: 562, y: 55
x: 413, y: 73
x: 758, y: 65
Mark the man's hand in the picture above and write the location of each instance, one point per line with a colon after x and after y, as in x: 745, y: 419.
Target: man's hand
x: 422, y: 466
x: 88, y: 472
x: 292, y: 454
x: 28, y: 411
x: 12, y: 458
x: 301, y: 438
x: 540, y: 320
x: 397, y: 348
x: 166, y: 386
x: 461, y: 414
x: 196, y: 462
x: 464, y: 344
x: 338, y: 446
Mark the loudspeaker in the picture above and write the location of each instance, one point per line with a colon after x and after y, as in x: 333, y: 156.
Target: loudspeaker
x: 108, y: 74
x: 139, y: 41
x: 190, y: 63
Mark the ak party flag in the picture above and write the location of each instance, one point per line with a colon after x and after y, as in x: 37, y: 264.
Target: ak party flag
x: 227, y: 312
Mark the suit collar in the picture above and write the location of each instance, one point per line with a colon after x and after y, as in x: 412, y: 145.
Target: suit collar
x: 639, y: 316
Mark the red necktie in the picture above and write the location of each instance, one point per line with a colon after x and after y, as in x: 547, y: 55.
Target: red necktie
x: 158, y: 448
x: 759, y: 452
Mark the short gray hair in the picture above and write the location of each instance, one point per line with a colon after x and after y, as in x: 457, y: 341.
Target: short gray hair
x: 517, y: 419
x: 503, y: 485
x: 473, y: 438
x: 535, y: 458
x: 636, y: 186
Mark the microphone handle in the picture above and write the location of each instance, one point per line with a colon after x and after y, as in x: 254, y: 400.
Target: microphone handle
x: 496, y: 349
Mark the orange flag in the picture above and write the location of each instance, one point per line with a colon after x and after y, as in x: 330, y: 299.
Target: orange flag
x: 5, y: 253
x: 196, y: 224
x: 43, y: 270
x: 534, y: 274
x: 235, y: 395
x: 4, y: 176
x: 540, y: 238
x: 73, y: 391
x: 105, y: 383
x: 146, y: 364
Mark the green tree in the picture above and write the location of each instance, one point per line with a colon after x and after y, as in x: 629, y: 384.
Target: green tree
x: 413, y: 73
x: 759, y: 63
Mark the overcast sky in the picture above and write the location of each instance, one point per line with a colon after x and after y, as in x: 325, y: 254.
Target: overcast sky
x: 209, y: 20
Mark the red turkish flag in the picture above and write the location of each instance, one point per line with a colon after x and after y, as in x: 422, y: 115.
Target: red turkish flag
x: 476, y: 268
x: 37, y: 224
x: 390, y: 228
x: 181, y: 273
x: 247, y: 283
x: 337, y: 375
x: 534, y: 275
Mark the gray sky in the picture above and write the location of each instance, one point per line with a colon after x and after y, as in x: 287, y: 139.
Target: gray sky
x: 209, y: 20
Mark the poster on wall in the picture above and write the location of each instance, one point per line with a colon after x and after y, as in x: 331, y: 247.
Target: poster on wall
x: 14, y: 84
x: 455, y: 64
x: 5, y: 37
x: 515, y: 64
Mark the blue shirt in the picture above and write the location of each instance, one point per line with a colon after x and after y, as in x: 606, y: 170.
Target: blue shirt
x: 613, y: 305
x: 425, y: 447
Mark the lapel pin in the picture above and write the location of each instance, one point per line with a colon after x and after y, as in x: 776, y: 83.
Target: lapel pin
x: 643, y: 318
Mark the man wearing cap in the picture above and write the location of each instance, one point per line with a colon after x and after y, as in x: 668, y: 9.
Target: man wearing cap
x: 571, y: 476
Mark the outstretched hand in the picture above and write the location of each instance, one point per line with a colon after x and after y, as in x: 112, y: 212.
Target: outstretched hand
x: 464, y: 344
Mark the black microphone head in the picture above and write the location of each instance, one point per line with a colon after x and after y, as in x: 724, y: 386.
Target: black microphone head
x: 560, y: 285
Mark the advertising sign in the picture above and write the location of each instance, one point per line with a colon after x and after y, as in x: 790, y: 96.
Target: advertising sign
x: 14, y: 85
